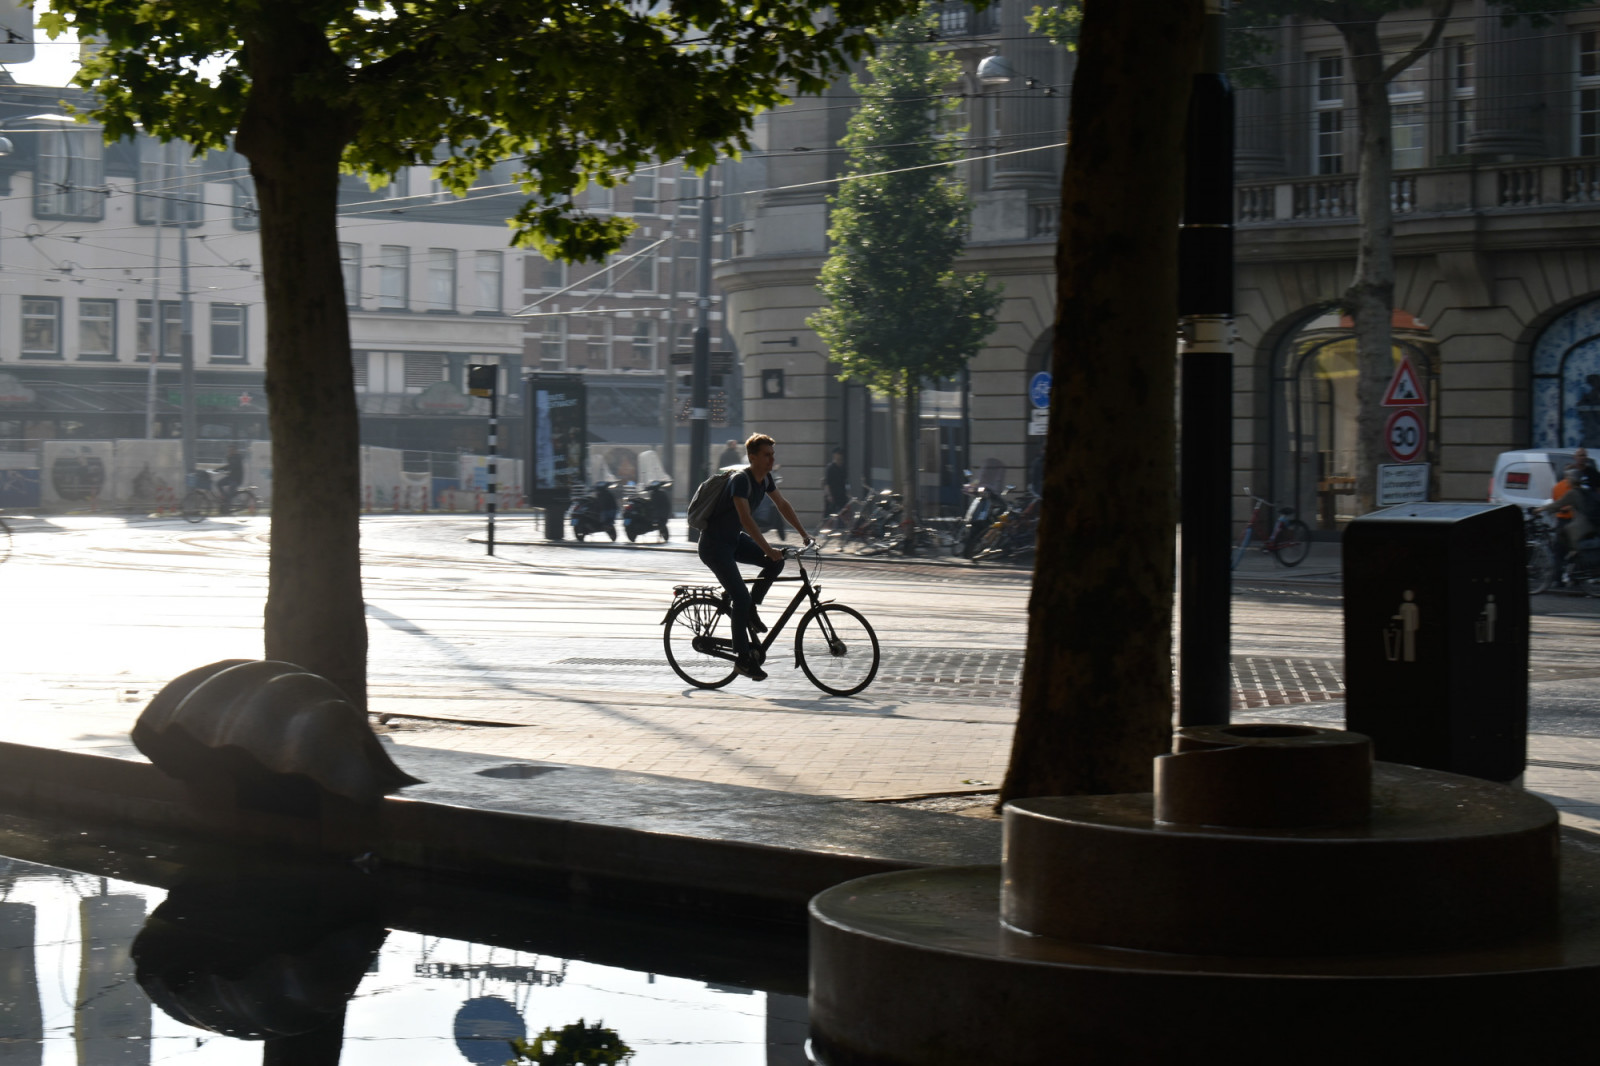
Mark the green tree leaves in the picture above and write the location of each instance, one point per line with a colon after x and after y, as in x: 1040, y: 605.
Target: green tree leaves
x: 897, y: 309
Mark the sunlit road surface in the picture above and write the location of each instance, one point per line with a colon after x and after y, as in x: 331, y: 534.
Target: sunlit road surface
x: 553, y: 651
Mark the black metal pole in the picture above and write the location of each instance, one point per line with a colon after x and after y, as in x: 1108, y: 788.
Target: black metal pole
x: 494, y: 440
x: 700, y: 392
x: 1205, y: 303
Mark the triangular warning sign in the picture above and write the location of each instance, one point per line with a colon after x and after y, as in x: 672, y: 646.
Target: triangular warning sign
x: 1405, y: 390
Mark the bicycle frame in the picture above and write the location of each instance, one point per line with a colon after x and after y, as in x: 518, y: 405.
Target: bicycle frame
x: 807, y: 592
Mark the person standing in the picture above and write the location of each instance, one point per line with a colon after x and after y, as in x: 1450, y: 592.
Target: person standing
x: 731, y: 537
x: 232, y: 478
x: 835, y: 485
x: 730, y: 455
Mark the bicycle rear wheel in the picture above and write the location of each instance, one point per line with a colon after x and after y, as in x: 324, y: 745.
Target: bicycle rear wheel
x: 1541, y: 567
x: 837, y: 649
x: 195, y: 505
x: 1294, y: 544
x: 694, y: 630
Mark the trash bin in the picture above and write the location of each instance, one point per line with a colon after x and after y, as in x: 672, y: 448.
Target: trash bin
x: 555, y: 517
x: 1436, y: 637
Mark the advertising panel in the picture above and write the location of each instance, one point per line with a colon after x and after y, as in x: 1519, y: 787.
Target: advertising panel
x: 558, y: 443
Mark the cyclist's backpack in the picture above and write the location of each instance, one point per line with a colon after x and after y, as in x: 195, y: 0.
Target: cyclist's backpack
x: 709, y: 497
x: 1588, y: 502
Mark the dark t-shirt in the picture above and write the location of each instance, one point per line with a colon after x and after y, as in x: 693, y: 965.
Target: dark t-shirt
x: 725, y: 524
x: 834, y: 479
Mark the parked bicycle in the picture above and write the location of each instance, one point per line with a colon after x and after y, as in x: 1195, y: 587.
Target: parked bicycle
x: 834, y: 645
x: 1288, y: 540
x: 1013, y: 533
x: 203, y: 500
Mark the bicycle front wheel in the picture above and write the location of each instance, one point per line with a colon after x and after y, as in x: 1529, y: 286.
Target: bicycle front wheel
x: 242, y: 502
x: 194, y: 505
x: 837, y: 649
x: 1293, y: 544
x: 695, y: 631
x: 1541, y: 567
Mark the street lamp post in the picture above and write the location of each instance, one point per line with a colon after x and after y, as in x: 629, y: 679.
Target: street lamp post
x: 1205, y: 304
x: 700, y: 392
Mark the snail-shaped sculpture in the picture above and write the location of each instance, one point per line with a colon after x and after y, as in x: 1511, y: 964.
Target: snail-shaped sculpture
x: 257, y: 721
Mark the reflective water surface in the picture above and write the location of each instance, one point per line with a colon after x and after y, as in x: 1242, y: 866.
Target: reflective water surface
x: 241, y: 968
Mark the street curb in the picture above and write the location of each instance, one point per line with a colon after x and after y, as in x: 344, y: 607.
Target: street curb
x: 609, y: 836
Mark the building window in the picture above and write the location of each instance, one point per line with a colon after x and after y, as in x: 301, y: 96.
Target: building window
x: 644, y: 194
x: 1327, y: 114
x: 441, y: 279
x: 246, y: 209
x: 170, y: 183
x: 1459, y: 57
x: 1407, y: 120
x: 41, y: 327
x: 394, y: 277
x: 97, y: 330
x: 688, y: 194
x: 554, y: 274
x: 359, y: 362
x: 171, y: 331
x: 350, y: 266
x: 423, y: 369
x: 487, y: 270
x: 553, y: 344
x: 644, y: 344
x: 643, y: 271
x: 596, y: 342
x: 70, y: 177
x: 686, y: 268
x: 228, y: 333
x: 1588, y: 109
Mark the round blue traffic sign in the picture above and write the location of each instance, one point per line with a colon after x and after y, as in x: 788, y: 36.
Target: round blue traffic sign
x: 1039, y: 389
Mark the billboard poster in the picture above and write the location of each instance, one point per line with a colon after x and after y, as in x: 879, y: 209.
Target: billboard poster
x: 557, y: 437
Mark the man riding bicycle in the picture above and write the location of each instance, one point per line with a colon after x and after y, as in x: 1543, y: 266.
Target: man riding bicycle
x: 732, y: 537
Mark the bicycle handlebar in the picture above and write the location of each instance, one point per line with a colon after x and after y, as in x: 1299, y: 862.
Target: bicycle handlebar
x: 794, y: 553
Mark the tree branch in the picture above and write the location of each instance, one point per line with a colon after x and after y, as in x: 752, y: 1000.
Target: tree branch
x: 1427, y: 45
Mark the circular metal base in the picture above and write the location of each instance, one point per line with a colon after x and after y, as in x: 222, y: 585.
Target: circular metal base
x: 916, y: 969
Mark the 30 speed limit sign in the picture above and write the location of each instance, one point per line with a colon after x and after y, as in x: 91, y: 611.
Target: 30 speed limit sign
x: 1404, y: 435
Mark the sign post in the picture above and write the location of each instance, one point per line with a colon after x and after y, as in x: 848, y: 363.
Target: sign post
x: 481, y: 380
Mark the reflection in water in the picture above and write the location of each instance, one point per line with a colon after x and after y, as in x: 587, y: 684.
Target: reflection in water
x: 262, y: 958
x: 254, y: 958
x: 112, y: 1019
x: 21, y: 1020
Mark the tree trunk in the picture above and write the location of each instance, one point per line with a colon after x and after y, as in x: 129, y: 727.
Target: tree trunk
x: 910, y: 439
x: 1370, y: 297
x: 314, y: 616
x: 1097, y: 686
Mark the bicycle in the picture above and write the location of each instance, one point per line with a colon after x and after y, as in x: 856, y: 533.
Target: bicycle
x: 1013, y: 533
x: 5, y: 541
x: 1539, y: 538
x: 199, y: 502
x: 834, y: 645
x: 1288, y: 541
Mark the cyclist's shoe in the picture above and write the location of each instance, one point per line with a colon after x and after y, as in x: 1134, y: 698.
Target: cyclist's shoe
x: 756, y: 624
x: 748, y: 667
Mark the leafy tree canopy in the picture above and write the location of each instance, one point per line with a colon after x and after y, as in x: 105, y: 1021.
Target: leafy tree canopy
x: 574, y: 92
x: 578, y: 1044
x: 897, y: 310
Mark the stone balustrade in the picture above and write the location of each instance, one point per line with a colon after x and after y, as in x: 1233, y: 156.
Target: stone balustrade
x: 1436, y: 191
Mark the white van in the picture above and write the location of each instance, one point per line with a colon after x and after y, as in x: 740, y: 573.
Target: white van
x: 1527, y: 478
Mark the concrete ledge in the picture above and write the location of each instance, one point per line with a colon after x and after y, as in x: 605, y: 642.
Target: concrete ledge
x: 633, y: 839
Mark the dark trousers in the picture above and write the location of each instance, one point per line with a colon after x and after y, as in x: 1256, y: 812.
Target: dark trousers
x: 723, y: 557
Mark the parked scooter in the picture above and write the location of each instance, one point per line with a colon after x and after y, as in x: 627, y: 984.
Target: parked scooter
x: 647, y: 511
x: 596, y: 512
x: 987, y: 505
